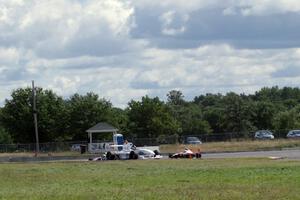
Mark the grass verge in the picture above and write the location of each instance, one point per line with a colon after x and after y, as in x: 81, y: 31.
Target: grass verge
x: 234, y: 146
x: 155, y: 179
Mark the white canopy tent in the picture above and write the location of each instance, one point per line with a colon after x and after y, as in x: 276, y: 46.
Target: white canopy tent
x: 101, y: 127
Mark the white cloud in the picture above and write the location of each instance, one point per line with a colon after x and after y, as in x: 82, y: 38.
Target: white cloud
x: 230, y: 11
x: 61, y: 84
x: 247, y: 7
x: 9, y: 55
x: 182, y: 6
x: 212, y: 68
x: 216, y: 66
x: 60, y: 28
x: 265, y: 7
x: 173, y: 23
x: 81, y: 46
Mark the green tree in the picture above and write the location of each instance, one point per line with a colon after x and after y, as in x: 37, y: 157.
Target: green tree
x: 151, y: 118
x: 190, y: 118
x: 290, y: 93
x: 175, y: 97
x: 17, y: 115
x: 238, y: 114
x: 276, y: 94
x: 264, y: 114
x: 287, y: 120
x: 85, y: 111
x: 215, y: 117
x: 119, y: 118
x: 5, y: 137
x: 209, y: 100
x: 268, y: 94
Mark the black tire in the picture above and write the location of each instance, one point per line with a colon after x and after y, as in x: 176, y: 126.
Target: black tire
x: 198, y: 155
x: 156, y: 152
x: 113, y: 157
x: 131, y: 155
x: 108, y: 155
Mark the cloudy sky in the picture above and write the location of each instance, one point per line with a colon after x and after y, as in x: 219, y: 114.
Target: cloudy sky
x: 123, y: 50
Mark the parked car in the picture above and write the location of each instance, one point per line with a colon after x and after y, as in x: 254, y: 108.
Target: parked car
x: 264, y: 134
x: 192, y: 140
x: 293, y: 134
x: 75, y: 147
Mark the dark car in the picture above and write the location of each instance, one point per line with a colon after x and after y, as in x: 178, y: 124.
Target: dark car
x: 293, y: 134
x: 193, y: 140
x: 75, y: 147
x: 264, y: 135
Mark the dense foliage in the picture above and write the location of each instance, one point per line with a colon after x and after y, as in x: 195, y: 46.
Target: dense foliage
x: 151, y: 118
x: 59, y: 119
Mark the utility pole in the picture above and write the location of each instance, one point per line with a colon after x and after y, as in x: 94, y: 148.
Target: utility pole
x: 35, y: 119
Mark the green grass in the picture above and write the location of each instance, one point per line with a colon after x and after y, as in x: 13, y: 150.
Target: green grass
x: 157, y: 179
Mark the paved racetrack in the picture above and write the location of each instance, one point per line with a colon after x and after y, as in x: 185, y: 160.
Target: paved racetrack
x: 290, y: 154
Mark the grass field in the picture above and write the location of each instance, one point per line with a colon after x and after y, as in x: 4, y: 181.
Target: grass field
x: 156, y: 179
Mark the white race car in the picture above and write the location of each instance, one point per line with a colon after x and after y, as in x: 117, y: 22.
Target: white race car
x: 139, y: 153
x: 147, y: 154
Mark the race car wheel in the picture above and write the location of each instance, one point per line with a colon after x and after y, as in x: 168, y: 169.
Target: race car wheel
x: 131, y: 155
x: 156, y: 152
x: 109, y: 156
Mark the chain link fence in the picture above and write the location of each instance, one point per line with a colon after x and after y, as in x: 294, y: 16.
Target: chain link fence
x: 44, y: 147
x: 163, y: 139
x: 216, y: 137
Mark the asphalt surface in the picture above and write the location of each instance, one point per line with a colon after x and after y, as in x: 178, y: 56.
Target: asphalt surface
x: 283, y: 154
x: 289, y: 154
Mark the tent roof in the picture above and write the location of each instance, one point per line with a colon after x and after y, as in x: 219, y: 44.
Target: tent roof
x: 102, y: 127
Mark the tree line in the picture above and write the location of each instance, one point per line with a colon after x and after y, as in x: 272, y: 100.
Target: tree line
x: 67, y: 119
